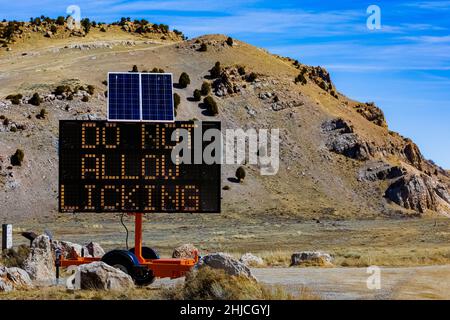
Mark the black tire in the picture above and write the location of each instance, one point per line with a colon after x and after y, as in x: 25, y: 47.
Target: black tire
x: 117, y: 259
x: 145, y: 277
x: 148, y: 253
x: 120, y: 260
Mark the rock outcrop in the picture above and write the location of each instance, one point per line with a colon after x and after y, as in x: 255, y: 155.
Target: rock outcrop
x: 372, y: 113
x: 413, y: 155
x: 380, y: 171
x: 418, y: 192
x: 225, y: 262
x: 342, y: 140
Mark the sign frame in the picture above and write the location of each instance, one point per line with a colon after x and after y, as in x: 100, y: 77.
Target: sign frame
x: 218, y: 185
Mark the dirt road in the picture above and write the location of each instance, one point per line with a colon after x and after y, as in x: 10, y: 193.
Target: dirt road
x: 431, y: 282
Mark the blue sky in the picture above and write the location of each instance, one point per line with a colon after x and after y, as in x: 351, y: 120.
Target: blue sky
x: 404, y: 67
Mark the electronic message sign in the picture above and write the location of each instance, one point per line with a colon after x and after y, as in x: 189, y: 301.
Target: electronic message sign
x: 128, y: 167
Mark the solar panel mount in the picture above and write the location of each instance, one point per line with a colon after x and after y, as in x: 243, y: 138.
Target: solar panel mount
x: 134, y: 96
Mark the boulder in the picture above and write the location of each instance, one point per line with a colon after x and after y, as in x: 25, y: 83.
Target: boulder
x: 70, y: 249
x: 185, y: 251
x: 40, y: 263
x: 95, y: 250
x: 251, y: 260
x: 225, y: 262
x: 100, y: 276
x: 14, y: 278
x: 311, y: 257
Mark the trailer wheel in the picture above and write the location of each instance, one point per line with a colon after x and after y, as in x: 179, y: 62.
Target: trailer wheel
x: 123, y: 261
x: 117, y: 259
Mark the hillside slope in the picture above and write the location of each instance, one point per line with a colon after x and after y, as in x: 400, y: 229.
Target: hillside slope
x: 338, y: 157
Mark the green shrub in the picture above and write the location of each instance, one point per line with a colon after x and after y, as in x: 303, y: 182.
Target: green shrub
x: 197, y: 95
x: 14, y: 98
x: 203, y: 47
x: 105, y: 82
x: 226, y: 188
x: 61, y: 89
x: 60, y: 21
x: 157, y: 70
x: 241, y: 70
x: 86, y: 24
x: 214, y: 284
x: 35, y: 99
x: 301, y: 79
x: 163, y: 27
x: 230, y: 41
x: 85, y: 99
x: 184, y: 80
x: 102, y: 29
x: 134, y: 69
x: 216, y: 71
x: 53, y: 29
x: 240, y: 174
x: 42, y: 114
x: 15, y: 258
x: 13, y: 129
x: 206, y: 88
x: 91, y: 89
x: 176, y: 100
x: 17, y: 157
x: 5, y: 121
x: 211, y: 106
x: 70, y: 97
x: 252, y: 77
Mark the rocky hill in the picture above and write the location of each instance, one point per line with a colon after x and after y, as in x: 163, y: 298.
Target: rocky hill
x: 339, y: 160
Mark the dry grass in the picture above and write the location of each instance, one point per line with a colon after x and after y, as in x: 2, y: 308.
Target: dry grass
x: 363, y: 257
x: 14, y: 257
x: 60, y: 293
x: 213, y: 284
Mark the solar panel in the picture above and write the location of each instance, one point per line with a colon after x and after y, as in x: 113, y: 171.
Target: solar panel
x: 140, y: 97
x: 157, y: 97
x: 124, y: 96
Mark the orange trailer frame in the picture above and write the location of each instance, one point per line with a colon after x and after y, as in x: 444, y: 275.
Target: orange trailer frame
x: 161, y: 268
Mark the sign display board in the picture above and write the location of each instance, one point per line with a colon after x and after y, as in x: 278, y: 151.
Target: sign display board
x: 128, y: 167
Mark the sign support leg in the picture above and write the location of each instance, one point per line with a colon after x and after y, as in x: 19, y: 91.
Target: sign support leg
x: 138, y: 236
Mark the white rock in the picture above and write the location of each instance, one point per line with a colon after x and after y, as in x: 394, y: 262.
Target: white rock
x: 251, y: 260
x: 100, y: 276
x: 40, y: 263
x: 227, y: 263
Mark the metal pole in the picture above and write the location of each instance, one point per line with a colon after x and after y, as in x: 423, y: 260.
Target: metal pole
x: 138, y: 237
x: 7, y: 241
